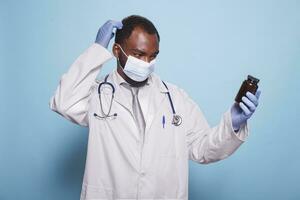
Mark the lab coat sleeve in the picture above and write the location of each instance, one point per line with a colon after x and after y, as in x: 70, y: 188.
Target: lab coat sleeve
x: 206, y: 144
x: 71, y: 98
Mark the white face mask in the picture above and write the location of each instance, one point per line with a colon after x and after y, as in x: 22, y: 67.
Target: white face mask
x: 137, y: 69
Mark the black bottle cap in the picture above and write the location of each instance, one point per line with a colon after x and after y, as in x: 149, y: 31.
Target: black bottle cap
x: 253, y: 79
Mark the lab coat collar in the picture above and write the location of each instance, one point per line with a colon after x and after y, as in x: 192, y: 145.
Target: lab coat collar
x: 153, y: 80
x: 158, y: 83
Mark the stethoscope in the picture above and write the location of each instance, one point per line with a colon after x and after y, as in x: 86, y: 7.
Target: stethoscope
x: 177, y: 120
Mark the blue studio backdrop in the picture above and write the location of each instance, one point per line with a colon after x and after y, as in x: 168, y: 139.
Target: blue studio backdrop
x: 207, y: 48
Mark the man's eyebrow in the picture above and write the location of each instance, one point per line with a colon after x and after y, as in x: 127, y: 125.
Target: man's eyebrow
x: 138, y: 50
x: 143, y: 52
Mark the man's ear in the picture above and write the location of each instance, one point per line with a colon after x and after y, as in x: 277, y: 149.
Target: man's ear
x: 116, y: 50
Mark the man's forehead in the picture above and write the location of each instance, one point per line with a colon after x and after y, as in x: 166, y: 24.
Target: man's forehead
x: 141, y: 39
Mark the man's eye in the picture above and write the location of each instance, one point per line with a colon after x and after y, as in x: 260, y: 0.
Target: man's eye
x: 137, y: 55
x: 153, y: 57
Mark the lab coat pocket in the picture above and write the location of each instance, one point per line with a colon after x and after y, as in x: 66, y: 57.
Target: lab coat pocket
x: 166, y: 138
x: 171, y: 159
x: 167, y: 177
x: 171, y: 138
x: 96, y: 192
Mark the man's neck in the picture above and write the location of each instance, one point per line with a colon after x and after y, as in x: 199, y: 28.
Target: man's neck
x: 129, y: 80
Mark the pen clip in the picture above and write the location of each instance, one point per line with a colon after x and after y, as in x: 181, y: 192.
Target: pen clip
x: 163, y: 121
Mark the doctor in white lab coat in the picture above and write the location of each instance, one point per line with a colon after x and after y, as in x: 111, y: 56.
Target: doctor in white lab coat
x: 138, y: 153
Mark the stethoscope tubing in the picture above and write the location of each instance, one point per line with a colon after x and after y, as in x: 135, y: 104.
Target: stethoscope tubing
x: 176, y: 118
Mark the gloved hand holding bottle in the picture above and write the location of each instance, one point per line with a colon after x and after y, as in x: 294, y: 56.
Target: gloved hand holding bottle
x: 241, y: 112
x: 105, y: 32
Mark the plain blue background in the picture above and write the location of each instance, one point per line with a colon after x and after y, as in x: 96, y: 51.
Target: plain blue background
x: 207, y: 48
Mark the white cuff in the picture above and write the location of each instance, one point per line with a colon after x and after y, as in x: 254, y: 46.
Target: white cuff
x: 243, y: 131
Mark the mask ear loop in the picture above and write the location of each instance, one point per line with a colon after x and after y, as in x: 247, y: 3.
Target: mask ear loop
x: 122, y: 50
x: 118, y: 60
x: 119, y: 63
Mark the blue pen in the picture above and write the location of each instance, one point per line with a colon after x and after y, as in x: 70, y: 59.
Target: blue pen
x: 163, y: 121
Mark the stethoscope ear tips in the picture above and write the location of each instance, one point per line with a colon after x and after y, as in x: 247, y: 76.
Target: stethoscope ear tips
x: 99, y: 117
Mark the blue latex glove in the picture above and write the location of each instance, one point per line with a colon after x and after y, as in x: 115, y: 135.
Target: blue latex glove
x: 105, y: 32
x: 241, y: 112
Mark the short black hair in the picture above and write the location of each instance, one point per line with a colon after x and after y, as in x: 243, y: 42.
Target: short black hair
x: 130, y: 23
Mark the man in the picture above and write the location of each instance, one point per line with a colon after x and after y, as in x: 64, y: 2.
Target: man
x: 142, y: 131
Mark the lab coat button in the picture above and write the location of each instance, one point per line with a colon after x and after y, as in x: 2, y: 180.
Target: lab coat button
x: 143, y: 173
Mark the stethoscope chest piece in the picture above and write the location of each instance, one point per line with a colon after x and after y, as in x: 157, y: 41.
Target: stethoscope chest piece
x: 177, y: 120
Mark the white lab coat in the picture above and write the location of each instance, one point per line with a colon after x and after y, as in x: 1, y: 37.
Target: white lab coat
x: 118, y: 164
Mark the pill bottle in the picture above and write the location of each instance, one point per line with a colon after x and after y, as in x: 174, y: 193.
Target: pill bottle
x: 249, y: 85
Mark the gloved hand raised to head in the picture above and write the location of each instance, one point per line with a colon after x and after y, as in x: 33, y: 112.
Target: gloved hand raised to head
x: 106, y: 32
x: 241, y: 112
